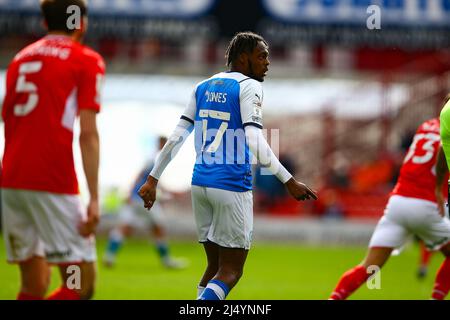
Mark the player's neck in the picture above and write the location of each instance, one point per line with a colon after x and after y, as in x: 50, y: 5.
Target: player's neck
x: 237, y: 68
x: 72, y: 36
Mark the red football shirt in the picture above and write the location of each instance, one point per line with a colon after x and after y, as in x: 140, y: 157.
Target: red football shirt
x: 418, y: 176
x: 47, y: 84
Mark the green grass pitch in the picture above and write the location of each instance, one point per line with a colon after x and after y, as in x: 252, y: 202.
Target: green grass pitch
x: 272, y: 272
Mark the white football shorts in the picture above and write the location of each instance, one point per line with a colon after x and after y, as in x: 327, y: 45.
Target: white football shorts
x: 134, y: 214
x: 46, y: 225
x: 223, y: 217
x: 404, y: 217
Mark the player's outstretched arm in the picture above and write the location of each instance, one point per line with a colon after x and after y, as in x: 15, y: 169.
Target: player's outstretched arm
x: 300, y: 191
x: 261, y: 149
x: 90, y: 153
x: 176, y: 140
x: 441, y: 171
x: 148, y: 192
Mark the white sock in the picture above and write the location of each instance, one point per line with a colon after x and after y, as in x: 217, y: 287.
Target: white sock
x: 116, y: 235
x: 200, y: 290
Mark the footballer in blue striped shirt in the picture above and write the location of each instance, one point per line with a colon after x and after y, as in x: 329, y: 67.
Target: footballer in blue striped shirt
x: 226, y: 113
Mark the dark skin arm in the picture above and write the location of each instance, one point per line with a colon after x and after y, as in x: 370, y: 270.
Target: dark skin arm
x: 296, y: 189
x: 148, y: 192
x: 299, y: 191
x: 441, y: 171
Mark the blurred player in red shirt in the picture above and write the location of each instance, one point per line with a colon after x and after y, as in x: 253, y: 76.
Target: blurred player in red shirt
x: 49, y: 84
x: 415, y: 207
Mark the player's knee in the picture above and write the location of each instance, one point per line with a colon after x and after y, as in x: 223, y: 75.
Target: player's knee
x: 231, y: 274
x: 126, y: 230
x: 234, y: 278
x: 158, y: 231
x: 238, y: 274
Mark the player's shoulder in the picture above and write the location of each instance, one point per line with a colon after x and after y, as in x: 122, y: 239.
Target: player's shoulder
x: 90, y: 56
x: 244, y: 82
x: 431, y: 125
x: 238, y: 77
x: 250, y: 83
x: 24, y: 52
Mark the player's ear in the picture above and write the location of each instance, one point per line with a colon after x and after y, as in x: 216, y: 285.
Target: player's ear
x: 84, y: 24
x: 242, y: 59
x: 78, y: 33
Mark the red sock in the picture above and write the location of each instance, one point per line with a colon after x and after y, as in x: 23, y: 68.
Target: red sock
x: 64, y: 293
x: 26, y: 296
x: 442, y: 282
x: 349, y: 282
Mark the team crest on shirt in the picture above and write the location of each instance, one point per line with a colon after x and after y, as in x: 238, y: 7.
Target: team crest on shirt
x: 258, y: 103
x: 257, y: 109
x: 256, y: 119
x: 217, y: 82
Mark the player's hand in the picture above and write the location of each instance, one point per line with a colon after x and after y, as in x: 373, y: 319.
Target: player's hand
x: 86, y: 228
x: 300, y: 191
x: 440, y: 202
x: 147, y: 192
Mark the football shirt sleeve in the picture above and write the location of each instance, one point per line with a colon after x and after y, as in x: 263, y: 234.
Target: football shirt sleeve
x: 261, y: 149
x: 90, y: 84
x: 171, y: 148
x: 191, y: 108
x: 251, y: 99
x: 11, y: 78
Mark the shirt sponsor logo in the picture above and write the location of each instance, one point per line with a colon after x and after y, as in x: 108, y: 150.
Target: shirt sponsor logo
x: 58, y: 254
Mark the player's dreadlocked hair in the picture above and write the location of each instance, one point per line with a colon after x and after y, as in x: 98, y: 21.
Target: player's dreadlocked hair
x: 242, y: 42
x: 56, y: 15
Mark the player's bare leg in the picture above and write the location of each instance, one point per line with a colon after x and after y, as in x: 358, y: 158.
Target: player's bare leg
x: 212, y: 255
x: 442, y: 282
x: 230, y: 268
x: 87, y: 283
x: 35, y: 278
x: 354, y: 278
x: 231, y: 265
x: 126, y: 230
x: 376, y: 256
